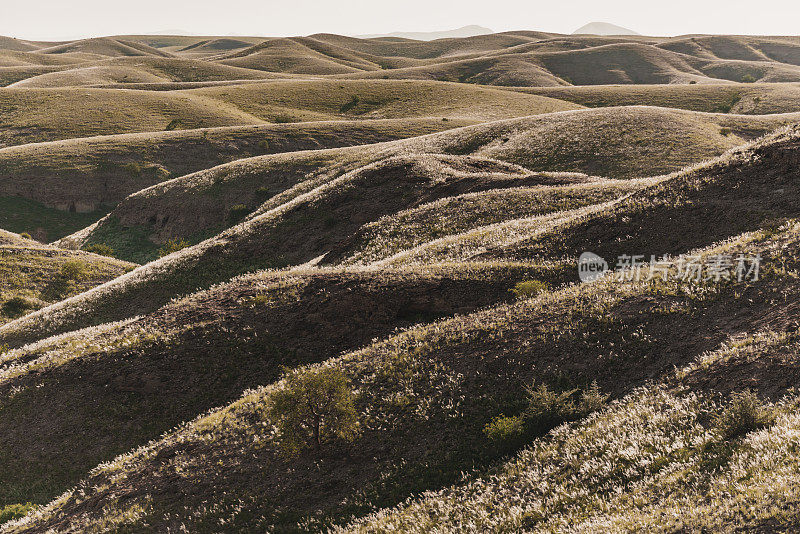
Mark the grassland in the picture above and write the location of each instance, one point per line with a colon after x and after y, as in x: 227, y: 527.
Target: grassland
x: 101, y: 171
x: 197, y: 206
x: 457, y: 374
x: 394, y: 225
x: 33, y: 276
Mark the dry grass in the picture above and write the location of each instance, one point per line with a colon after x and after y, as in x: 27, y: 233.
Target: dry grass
x: 438, y: 385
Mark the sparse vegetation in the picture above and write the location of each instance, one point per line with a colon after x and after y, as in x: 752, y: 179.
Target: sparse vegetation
x: 99, y: 248
x: 14, y: 511
x: 171, y: 246
x: 355, y: 305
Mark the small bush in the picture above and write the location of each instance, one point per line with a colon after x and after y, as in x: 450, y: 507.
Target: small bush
x: 725, y: 132
x: 283, y: 119
x: 25, y: 235
x: 99, y: 248
x: 545, y: 410
x: 174, y: 124
x: 14, y: 511
x: 504, y: 430
x: 745, y: 413
x: 73, y: 270
x: 693, y: 82
x: 528, y: 288
x: 18, y: 306
x: 313, y: 408
x: 748, y: 78
x: 238, y: 212
x: 173, y: 245
x: 65, y: 281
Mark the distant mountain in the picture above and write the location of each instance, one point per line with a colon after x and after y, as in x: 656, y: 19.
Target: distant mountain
x: 466, y: 31
x: 603, y: 28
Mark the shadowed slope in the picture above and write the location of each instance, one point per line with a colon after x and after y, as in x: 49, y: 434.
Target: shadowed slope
x: 336, y: 201
x: 104, y: 46
x: 101, y: 171
x: 147, y: 375
x: 422, y: 430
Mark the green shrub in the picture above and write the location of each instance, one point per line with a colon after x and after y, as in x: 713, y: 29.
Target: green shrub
x: 174, y: 124
x: 25, y: 235
x: 238, y: 212
x: 504, y: 430
x: 313, y: 408
x: 744, y: 413
x: 283, y: 119
x: 725, y: 131
x: 748, y: 78
x: 99, y: 248
x: 528, y: 288
x: 65, y: 281
x: 18, y: 306
x: 693, y: 82
x: 15, y: 511
x: 73, y: 270
x: 546, y: 409
x: 173, y: 245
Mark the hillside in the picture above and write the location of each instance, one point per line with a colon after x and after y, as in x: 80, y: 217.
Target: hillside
x: 91, y: 173
x: 33, y: 276
x: 503, y: 282
x: 332, y: 203
x: 458, y: 374
x: 564, y: 142
x: 744, y: 99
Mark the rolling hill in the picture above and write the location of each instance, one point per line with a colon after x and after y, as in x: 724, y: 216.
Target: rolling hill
x: 331, y: 284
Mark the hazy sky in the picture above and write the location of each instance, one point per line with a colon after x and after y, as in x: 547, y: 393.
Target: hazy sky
x: 62, y: 19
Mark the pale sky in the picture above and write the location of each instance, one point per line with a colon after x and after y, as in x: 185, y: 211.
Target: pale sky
x: 68, y: 19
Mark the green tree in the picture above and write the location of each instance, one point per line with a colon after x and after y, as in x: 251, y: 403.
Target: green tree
x: 313, y: 408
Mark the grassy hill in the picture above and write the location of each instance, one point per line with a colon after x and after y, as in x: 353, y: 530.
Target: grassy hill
x: 350, y: 301
x: 39, y: 115
x: 197, y: 206
x: 424, y: 430
x: 288, y: 315
x: 33, y: 276
x: 348, y: 192
x: 90, y: 173
x: 746, y: 99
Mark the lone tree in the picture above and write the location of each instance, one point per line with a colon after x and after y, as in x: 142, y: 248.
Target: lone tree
x: 314, y: 407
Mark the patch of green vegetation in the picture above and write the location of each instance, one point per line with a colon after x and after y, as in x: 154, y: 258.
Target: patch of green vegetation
x: 315, y: 407
x: 748, y: 78
x: 72, y: 272
x: 46, y: 224
x: 15, y: 511
x: 174, y: 124
x: 237, y: 213
x: 349, y: 105
x: 528, y: 288
x: 173, y: 245
x: 131, y: 244
x: 727, y: 105
x: 744, y: 413
x: 100, y: 248
x: 18, y: 306
x: 545, y: 410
